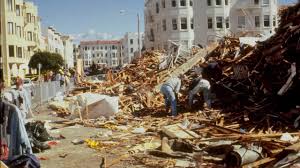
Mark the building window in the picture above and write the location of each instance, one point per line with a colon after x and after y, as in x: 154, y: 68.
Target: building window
x: 28, y: 17
x: 163, y: 3
x: 219, y: 21
x: 157, y: 7
x: 209, y: 23
x: 241, y: 22
x: 174, y: 3
x: 183, y: 23
x: 19, y: 52
x: 227, y: 22
x: 182, y: 2
x: 164, y: 23
x: 274, y: 20
x: 208, y: 2
x: 18, y: 10
x: 218, y: 2
x: 19, y: 31
x: 266, y: 2
x: 192, y: 23
x: 98, y: 55
x: 256, y: 2
x: 174, y: 24
x: 267, y: 20
x: 11, y: 51
x: 226, y: 2
x: 29, y: 36
x: 131, y: 50
x: 257, y: 21
x: 10, y: 5
x: 151, y: 35
x: 131, y: 41
x: 10, y: 28
x: 191, y: 3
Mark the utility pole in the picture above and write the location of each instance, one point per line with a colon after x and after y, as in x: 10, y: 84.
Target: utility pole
x: 139, y: 35
x: 5, y: 65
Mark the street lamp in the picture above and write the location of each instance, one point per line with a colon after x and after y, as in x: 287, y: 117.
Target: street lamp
x: 123, y: 12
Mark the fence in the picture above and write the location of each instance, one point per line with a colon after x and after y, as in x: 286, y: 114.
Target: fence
x: 46, y: 91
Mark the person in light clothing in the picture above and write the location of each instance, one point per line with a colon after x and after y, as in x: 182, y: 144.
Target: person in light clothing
x: 170, y: 89
x: 200, y: 85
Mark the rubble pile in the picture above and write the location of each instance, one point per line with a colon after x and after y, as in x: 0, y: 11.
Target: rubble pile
x: 255, y: 94
x: 259, y: 84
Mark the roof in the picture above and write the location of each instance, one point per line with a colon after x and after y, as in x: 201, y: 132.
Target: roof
x: 100, y: 42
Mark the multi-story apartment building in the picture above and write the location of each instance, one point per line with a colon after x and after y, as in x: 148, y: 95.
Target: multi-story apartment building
x: 168, y: 20
x: 216, y: 18
x: 101, y: 52
x: 61, y: 44
x: 20, y: 36
x: 54, y: 42
x: 68, y: 51
x: 130, y: 47
x: 76, y: 53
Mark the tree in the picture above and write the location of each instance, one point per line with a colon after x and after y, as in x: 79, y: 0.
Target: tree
x: 49, y: 61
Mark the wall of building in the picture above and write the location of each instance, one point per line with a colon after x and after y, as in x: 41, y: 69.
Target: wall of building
x: 68, y: 51
x: 165, y: 21
x: 100, y: 52
x: 238, y: 19
x: 20, y: 36
x: 130, y: 46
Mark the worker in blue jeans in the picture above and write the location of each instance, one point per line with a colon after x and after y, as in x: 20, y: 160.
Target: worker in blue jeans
x: 200, y: 85
x: 170, y: 89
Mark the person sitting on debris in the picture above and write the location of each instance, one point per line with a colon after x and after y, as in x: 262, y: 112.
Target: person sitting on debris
x: 200, y: 85
x: 170, y: 89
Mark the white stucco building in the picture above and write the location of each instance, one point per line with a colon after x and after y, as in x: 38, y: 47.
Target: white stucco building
x: 54, y: 41
x: 168, y: 20
x: 216, y: 18
x: 101, y: 52
x: 130, y: 47
x: 68, y: 51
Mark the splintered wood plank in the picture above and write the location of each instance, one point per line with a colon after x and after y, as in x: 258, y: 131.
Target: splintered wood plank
x: 260, y: 162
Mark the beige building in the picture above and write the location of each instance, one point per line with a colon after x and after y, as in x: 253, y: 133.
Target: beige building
x: 20, y: 36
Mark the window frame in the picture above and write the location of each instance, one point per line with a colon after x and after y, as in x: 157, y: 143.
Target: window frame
x: 183, y: 3
x: 257, y: 21
x: 183, y: 26
x: 218, y: 25
x: 241, y: 26
x: 210, y: 23
x: 174, y: 24
x: 218, y: 4
x: 267, y: 21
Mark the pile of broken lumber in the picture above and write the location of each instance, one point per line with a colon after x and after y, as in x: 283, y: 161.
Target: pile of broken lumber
x: 261, y: 83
